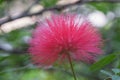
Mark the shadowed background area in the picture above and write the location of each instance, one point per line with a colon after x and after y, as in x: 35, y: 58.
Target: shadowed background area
x: 18, y: 19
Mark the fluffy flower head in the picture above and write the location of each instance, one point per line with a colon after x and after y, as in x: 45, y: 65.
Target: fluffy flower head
x: 65, y: 34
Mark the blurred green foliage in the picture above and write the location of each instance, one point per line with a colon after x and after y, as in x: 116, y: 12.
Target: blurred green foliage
x: 104, y: 7
x: 1, y: 1
x: 15, y: 66
x: 112, y: 76
x: 49, y: 3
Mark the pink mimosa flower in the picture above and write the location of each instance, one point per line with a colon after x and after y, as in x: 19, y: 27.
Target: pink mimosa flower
x: 62, y: 35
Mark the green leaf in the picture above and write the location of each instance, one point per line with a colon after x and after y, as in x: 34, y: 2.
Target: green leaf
x: 49, y: 3
x: 103, y: 62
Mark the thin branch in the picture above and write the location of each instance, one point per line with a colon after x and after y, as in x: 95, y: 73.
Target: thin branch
x: 25, y: 14
x: 71, y: 66
x: 9, y: 18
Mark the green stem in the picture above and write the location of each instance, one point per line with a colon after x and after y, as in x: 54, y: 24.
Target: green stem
x: 71, y: 65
